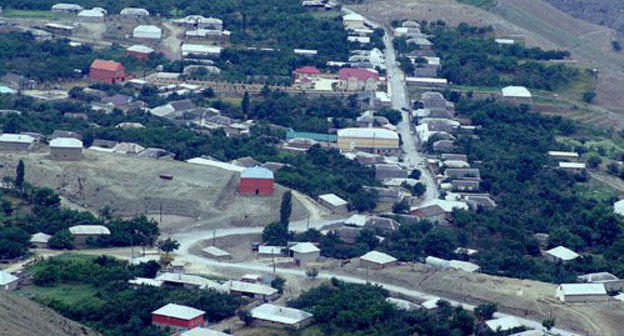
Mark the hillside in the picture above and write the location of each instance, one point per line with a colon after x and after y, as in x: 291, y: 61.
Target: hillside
x: 20, y: 316
x: 603, y: 12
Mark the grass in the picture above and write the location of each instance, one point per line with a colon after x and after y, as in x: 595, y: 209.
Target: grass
x: 68, y: 294
x: 325, y: 14
x: 31, y: 14
x: 479, y: 3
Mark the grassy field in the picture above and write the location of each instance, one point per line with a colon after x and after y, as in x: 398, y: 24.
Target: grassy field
x: 32, y: 14
x: 70, y: 295
x: 479, y: 3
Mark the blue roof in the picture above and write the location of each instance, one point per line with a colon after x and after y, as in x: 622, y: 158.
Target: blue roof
x: 257, y: 172
x: 313, y: 136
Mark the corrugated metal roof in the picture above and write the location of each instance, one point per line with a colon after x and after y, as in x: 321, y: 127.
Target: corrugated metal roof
x: 369, y: 133
x: 333, y: 199
x: 89, y: 230
x: 563, y: 253
x: 279, y: 314
x: 20, y: 138
x: 305, y: 248
x: 66, y: 143
x: 583, y: 289
x: 504, y: 323
x: 179, y: 311
x: 257, y: 172
x: 378, y: 257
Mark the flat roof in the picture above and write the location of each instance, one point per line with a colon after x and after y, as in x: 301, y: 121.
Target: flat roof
x: 563, y: 253
x: 40, y: 237
x: 66, y: 143
x: 215, y: 251
x: 189, y: 279
x: 516, y: 91
x: 378, y: 257
x: 431, y: 80
x: 504, y: 323
x: 179, y: 311
x: 583, y: 289
x: 279, y: 314
x: 257, y: 172
x: 20, y: 138
x: 371, y: 133
x: 566, y: 154
x: 248, y: 287
x: 333, y: 199
x: 89, y: 230
x: 572, y: 165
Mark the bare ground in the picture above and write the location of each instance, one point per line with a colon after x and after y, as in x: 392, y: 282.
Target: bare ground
x: 131, y: 186
x: 20, y: 316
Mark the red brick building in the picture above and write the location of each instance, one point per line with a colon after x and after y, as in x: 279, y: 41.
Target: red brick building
x: 306, y: 71
x: 256, y: 181
x: 109, y: 72
x: 178, y: 317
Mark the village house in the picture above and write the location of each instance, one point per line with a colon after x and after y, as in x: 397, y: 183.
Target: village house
x: 40, y: 240
x: 199, y: 331
x: 109, y: 72
x: 433, y: 213
x: 179, y: 280
x: 208, y: 34
x: 95, y: 14
x: 376, y: 260
x: 66, y: 8
x: 560, y: 253
x: 348, y: 234
x: 189, y: 49
x: 427, y: 82
x: 130, y: 12
x: 8, y: 281
x: 370, y: 140
x: 479, y: 201
x: 199, y: 22
x: 277, y: 316
x: 66, y: 149
x: 383, y: 225
x: 256, y: 181
x: 503, y: 324
x: 463, y: 174
x: 139, y: 51
x: 577, y: 293
x: 465, y: 266
x: 610, y: 281
x: 304, y: 253
x: 334, y: 203
x: 86, y: 234
x: 178, y: 317
x: 147, y: 32
x: 175, y: 109
x: 353, y: 20
x: 438, y: 263
x: 305, y: 72
x: 357, y: 79
x: 568, y: 156
x: 16, y: 142
x: 389, y: 171
x: 255, y: 291
x: 572, y: 167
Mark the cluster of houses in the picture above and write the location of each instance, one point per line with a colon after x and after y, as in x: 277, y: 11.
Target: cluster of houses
x: 192, y: 322
x: 96, y: 13
x: 199, y: 28
x: 324, y: 5
x: 62, y: 148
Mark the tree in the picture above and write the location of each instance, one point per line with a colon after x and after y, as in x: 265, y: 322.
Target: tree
x: 415, y: 174
x: 548, y: 323
x: 278, y: 283
x: 19, y: 175
x: 275, y: 234
x: 401, y: 207
x: 62, y: 240
x: 617, y: 46
x: 485, y: 311
x: 312, y: 273
x: 245, y: 316
x: 613, y: 168
x: 286, y: 208
x: 419, y: 189
x: 588, y: 96
x: 593, y: 160
x: 245, y: 103
x: 168, y: 245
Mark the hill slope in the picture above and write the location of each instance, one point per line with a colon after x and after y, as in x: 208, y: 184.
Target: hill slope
x: 603, y: 12
x: 20, y: 316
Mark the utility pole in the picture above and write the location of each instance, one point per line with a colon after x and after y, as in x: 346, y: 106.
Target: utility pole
x: 160, y: 211
x: 308, y: 225
x: 273, y: 258
x: 214, y: 237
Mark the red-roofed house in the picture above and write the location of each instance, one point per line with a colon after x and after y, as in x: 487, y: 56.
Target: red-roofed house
x: 109, y: 72
x: 306, y: 71
x: 357, y: 79
x: 178, y: 317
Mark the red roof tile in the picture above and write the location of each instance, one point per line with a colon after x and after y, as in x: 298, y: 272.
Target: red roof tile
x: 106, y: 65
x: 359, y: 73
x: 308, y: 70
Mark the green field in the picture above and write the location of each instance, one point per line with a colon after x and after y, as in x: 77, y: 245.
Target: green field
x: 479, y: 3
x: 31, y: 14
x: 68, y: 294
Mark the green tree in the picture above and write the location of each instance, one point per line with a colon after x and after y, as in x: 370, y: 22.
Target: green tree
x: 275, y: 234
x: 613, y: 168
x: 415, y: 174
x: 593, y: 160
x: 245, y: 316
x: 19, y: 175
x: 278, y: 283
x: 286, y: 208
x: 62, y: 240
x: 588, y: 96
x: 548, y: 323
x: 168, y: 245
x: 401, y: 207
x: 245, y: 103
x: 485, y: 311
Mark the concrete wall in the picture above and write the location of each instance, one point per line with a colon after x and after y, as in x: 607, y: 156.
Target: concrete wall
x: 14, y: 146
x: 342, y: 210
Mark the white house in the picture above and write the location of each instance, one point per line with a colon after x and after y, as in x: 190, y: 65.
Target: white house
x: 587, y: 292
x: 272, y: 315
x: 8, y: 281
x: 377, y: 260
x: 516, y: 93
x: 304, y: 253
x: 200, y: 50
x: 560, y: 253
x: 147, y: 32
x: 503, y: 324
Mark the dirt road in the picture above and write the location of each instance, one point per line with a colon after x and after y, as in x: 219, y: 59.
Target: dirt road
x: 172, y: 42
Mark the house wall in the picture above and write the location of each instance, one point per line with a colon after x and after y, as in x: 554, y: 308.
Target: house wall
x: 138, y: 55
x: 249, y: 186
x: 303, y: 258
x: 65, y: 154
x: 263, y: 323
x: 174, y: 323
x: 335, y: 209
x: 370, y: 145
x: 375, y: 266
x: 14, y: 146
x: 106, y: 76
x: 81, y: 240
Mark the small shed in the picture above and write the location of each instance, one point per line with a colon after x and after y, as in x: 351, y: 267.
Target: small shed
x: 217, y: 253
x: 377, y: 260
x: 336, y: 204
x: 40, y: 240
x: 178, y: 317
x: 560, y: 253
x: 588, y: 292
x: 8, y: 281
x: 304, y: 253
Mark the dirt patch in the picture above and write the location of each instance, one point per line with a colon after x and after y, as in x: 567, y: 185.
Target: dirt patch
x: 20, y: 316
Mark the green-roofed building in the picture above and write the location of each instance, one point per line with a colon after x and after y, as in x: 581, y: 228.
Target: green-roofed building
x: 313, y: 136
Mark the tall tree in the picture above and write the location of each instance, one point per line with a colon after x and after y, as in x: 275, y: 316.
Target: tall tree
x: 286, y: 208
x: 19, y: 175
x: 245, y: 103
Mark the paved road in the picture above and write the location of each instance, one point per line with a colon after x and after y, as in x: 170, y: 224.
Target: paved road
x: 397, y: 91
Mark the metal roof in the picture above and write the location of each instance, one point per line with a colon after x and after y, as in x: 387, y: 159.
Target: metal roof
x: 247, y: 287
x: 257, y: 172
x: 20, y: 138
x: 215, y: 251
x: 179, y: 311
x: 279, y: 314
x: 6, y: 278
x: 305, y: 248
x: 89, y: 230
x: 140, y: 49
x: 583, y: 289
x: 378, y: 257
x: 373, y: 133
x: 504, y: 323
x: 66, y: 143
x: 563, y: 253
x: 199, y: 331
x: 145, y: 282
x: 188, y: 279
x: 516, y: 92
x: 40, y: 237
x: 333, y: 200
